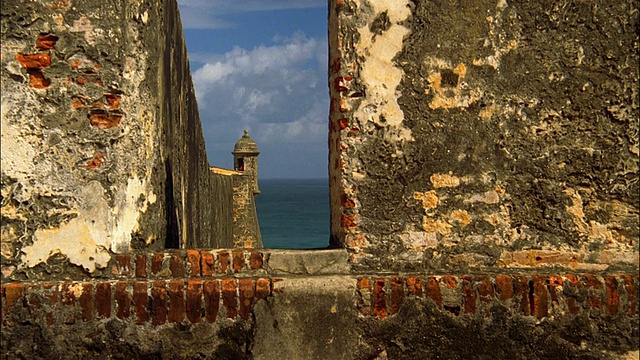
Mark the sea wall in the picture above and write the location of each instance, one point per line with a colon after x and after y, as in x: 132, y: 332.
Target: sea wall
x: 102, y: 149
x: 485, y: 135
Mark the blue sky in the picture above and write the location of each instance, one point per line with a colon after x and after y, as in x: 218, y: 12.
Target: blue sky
x: 262, y: 65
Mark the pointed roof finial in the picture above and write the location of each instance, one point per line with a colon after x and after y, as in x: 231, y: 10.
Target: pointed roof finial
x: 246, y: 145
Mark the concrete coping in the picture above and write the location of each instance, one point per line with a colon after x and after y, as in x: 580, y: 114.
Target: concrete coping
x: 306, y: 262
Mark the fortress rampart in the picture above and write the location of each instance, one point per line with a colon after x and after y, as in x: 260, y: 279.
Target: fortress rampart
x: 484, y: 190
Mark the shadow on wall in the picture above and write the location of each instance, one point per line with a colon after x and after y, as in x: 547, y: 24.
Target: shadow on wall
x: 173, y: 240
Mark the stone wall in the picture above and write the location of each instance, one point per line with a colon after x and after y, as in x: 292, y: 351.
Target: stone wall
x: 272, y: 304
x: 102, y: 149
x: 483, y: 190
x: 485, y: 135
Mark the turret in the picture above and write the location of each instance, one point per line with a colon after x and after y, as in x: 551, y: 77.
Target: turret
x: 245, y: 159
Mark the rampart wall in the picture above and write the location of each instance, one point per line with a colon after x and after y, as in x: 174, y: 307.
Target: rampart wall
x: 484, y: 194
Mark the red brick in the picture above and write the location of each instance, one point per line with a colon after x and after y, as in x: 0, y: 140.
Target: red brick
x: 247, y: 297
x: 96, y: 162
x: 632, y: 295
x: 103, y: 120
x: 208, y: 263
x: 521, y: 294
x: 194, y: 301
x: 141, y: 302
x: 263, y: 289
x: 540, y: 298
x: 193, y: 258
x: 340, y: 83
x: 86, y: 302
x: 2, y: 305
x: 256, y: 260
x: 433, y: 291
x: 141, y: 265
x: 555, y: 288
x: 229, y: 298
x: 37, y: 79
x: 68, y: 299
x: 396, y: 298
x: 363, y: 283
x: 223, y: 261
x: 123, y: 265
x: 414, y: 286
x: 156, y: 263
x: 176, y: 265
x: 594, y: 286
x: 612, y: 299
x: 46, y: 42
x: 52, y: 294
x: 504, y: 285
x: 343, y: 123
x: 238, y: 261
x: 449, y: 281
x: 14, y: 294
x: 34, y: 61
x: 364, y: 296
x: 158, y: 303
x: 176, y: 301
x: 469, y: 296
x: 348, y: 221
x: 113, y: 100
x: 485, y: 288
x: 379, y: 299
x: 122, y: 300
x: 572, y: 303
x: 103, y: 300
x: 211, y: 299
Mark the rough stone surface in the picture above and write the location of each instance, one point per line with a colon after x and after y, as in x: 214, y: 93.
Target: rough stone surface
x: 484, y: 161
x: 475, y: 135
x: 305, y: 262
x: 321, y: 324
x: 102, y: 145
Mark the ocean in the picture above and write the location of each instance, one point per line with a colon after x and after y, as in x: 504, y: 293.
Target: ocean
x: 294, y: 213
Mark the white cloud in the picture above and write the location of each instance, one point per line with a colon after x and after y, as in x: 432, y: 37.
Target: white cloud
x: 277, y: 91
x: 206, y: 14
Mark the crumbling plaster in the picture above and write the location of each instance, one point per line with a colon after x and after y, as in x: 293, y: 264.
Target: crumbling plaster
x: 81, y: 158
x: 460, y: 147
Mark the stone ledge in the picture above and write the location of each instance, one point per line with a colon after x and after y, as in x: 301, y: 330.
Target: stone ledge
x: 307, y: 262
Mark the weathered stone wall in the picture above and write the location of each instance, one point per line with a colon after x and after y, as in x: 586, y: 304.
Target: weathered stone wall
x: 483, y: 188
x: 272, y: 304
x: 102, y: 149
x: 485, y: 134
x: 234, y: 210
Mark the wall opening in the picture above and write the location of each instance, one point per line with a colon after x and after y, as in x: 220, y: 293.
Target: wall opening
x: 263, y: 67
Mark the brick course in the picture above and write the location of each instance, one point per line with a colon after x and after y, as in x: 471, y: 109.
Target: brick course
x: 157, y: 301
x: 529, y: 295
x: 197, y: 299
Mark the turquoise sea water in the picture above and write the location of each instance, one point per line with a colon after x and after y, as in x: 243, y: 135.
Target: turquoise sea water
x: 294, y: 214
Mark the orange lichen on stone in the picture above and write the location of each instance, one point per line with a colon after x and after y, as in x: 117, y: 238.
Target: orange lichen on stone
x: 436, y: 226
x: 444, y: 180
x: 429, y: 199
x: 461, y: 216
